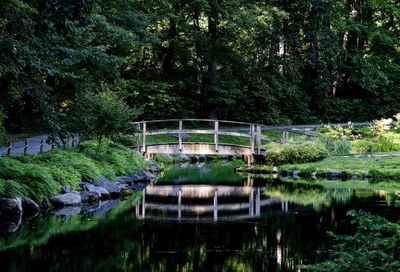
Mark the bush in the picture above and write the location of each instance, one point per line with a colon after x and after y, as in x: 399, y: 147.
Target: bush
x: 337, y: 132
x: 363, y: 146
x: 336, y: 147
x: 42, y: 175
x: 381, y: 125
x: 374, y: 247
x: 297, y: 153
x: 386, y: 143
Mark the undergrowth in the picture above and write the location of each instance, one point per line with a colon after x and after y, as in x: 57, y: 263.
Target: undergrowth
x: 40, y: 175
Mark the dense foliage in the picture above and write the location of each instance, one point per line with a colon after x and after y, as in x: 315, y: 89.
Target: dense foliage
x: 374, y: 246
x: 41, y: 175
x: 296, y: 153
x: 260, y: 61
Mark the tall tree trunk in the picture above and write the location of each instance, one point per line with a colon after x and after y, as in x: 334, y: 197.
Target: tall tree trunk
x: 314, y: 26
x: 353, y: 14
x: 198, y: 61
x: 212, y: 67
x: 169, y: 55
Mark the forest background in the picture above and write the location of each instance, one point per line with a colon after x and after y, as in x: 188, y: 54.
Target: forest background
x: 272, y: 62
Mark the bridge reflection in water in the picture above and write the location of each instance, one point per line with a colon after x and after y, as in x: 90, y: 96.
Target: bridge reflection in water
x: 204, y: 201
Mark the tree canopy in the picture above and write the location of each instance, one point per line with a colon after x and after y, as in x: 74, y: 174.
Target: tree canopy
x: 274, y: 62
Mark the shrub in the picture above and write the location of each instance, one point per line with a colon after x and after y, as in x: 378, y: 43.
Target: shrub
x: 337, y: 132
x: 397, y: 117
x: 105, y: 115
x: 363, y: 146
x: 41, y: 175
x: 386, y: 143
x: 297, y: 153
x: 336, y: 147
x: 373, y: 247
x: 381, y: 125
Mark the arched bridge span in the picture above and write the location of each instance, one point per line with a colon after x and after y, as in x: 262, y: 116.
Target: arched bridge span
x: 252, y: 131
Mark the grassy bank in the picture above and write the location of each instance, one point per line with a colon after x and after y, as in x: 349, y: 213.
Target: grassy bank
x: 40, y: 175
x: 374, y: 167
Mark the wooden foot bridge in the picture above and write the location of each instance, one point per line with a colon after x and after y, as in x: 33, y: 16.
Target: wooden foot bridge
x: 253, y: 131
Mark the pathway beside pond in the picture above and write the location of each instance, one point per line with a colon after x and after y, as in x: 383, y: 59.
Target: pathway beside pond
x: 34, y: 144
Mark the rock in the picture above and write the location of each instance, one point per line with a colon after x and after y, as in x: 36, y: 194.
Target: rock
x: 104, y: 193
x: 144, y: 175
x: 90, y: 197
x: 75, y: 192
x: 296, y: 172
x: 333, y: 174
x: 124, y: 180
x: 354, y: 177
x: 66, y: 189
x: 66, y: 212
x: 154, y: 165
x: 106, y: 206
x: 10, y: 207
x: 45, y: 203
x: 30, y: 208
x: 111, y: 187
x: 69, y: 199
x: 314, y: 175
x: 139, y: 186
x: 284, y: 172
x: 275, y: 169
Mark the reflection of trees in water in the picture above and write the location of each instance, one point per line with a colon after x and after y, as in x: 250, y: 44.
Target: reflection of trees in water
x: 120, y: 242
x: 302, y: 193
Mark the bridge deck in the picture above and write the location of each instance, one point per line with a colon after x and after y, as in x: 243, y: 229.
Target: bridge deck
x: 200, y: 149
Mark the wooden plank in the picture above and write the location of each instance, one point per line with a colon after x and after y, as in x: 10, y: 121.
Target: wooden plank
x: 237, y: 134
x: 180, y: 135
x: 199, y: 131
x: 269, y: 139
x: 166, y: 131
x: 283, y: 136
x: 216, y: 135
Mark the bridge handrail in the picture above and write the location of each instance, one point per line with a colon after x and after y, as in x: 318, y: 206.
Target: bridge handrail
x: 195, y: 120
x: 225, y: 121
x: 255, y: 132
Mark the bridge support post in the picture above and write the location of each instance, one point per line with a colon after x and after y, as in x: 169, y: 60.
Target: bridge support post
x: 251, y: 203
x: 180, y: 135
x: 249, y: 159
x: 138, y: 139
x: 252, y: 138
x: 180, y: 204
x: 144, y: 138
x: 216, y: 205
x: 258, y: 140
x: 216, y: 135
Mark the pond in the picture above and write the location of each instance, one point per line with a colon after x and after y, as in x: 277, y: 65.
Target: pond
x: 202, y: 217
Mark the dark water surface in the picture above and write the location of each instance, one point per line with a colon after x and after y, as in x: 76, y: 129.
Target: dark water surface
x: 200, y: 218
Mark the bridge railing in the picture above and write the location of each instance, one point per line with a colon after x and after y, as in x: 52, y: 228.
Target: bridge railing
x: 254, y: 132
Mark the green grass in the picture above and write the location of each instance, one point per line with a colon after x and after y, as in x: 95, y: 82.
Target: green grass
x: 377, y: 167
x: 41, y: 175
